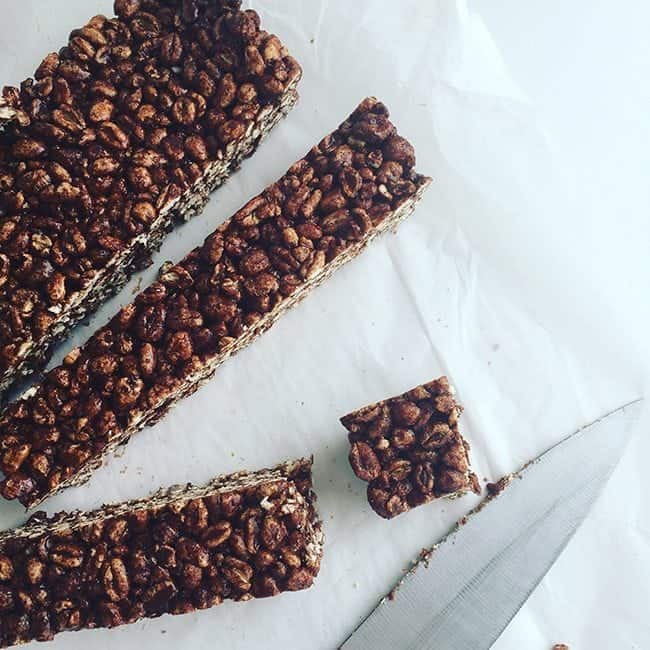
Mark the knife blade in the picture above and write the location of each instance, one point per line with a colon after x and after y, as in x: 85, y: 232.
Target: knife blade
x: 478, y: 577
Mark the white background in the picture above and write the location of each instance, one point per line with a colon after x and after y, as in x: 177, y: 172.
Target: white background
x: 523, y: 275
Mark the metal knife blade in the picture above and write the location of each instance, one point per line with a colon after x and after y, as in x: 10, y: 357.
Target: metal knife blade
x: 479, y: 576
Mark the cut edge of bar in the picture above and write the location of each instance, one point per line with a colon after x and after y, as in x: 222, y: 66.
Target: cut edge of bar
x: 7, y: 113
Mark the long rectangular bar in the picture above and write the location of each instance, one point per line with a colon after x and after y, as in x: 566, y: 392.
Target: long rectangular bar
x: 357, y: 183
x: 247, y: 535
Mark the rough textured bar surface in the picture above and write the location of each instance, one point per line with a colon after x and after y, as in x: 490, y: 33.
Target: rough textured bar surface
x: 241, y: 536
x: 409, y: 449
x: 358, y: 182
x: 121, y: 134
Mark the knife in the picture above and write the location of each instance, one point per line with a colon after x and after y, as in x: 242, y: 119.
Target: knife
x: 467, y: 590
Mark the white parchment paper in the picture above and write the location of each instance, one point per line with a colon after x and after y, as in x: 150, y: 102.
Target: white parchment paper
x: 479, y: 284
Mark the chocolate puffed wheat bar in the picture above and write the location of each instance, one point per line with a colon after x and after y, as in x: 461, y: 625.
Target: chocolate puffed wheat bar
x: 409, y: 449
x: 355, y: 184
x: 243, y: 536
x: 121, y: 134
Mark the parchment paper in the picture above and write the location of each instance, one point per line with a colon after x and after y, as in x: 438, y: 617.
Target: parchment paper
x: 476, y: 285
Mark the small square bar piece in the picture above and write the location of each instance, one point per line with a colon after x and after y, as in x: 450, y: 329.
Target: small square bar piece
x: 409, y: 449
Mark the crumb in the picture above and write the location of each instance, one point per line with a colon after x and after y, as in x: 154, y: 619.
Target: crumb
x: 391, y: 595
x: 462, y: 521
x: 476, y: 486
x: 495, y: 489
x: 137, y: 287
x: 560, y: 646
x: 311, y: 40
